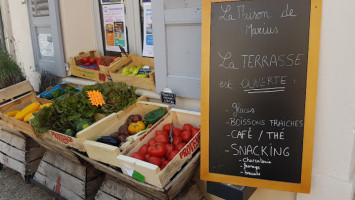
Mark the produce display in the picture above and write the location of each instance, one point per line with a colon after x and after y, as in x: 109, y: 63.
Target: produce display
x: 133, y: 71
x: 94, y: 63
x: 134, y: 127
x: 75, y: 112
x: 166, y: 144
x: 27, y: 113
x: 59, y: 94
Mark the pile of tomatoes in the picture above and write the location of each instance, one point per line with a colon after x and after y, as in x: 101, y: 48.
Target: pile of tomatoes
x: 105, y: 61
x: 159, y: 150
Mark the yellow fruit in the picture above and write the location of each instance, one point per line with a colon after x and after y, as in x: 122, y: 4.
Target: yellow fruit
x: 45, y: 105
x: 34, y: 107
x: 28, y: 117
x: 12, y: 113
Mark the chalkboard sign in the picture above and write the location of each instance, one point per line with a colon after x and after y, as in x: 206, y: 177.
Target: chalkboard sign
x: 259, y: 78
x: 168, y: 98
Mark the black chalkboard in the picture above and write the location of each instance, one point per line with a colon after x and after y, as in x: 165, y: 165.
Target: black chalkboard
x: 258, y: 74
x: 168, y: 98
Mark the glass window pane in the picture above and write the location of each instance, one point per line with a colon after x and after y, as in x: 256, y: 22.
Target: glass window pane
x: 39, y: 8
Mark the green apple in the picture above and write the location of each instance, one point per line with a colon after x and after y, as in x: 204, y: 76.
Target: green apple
x: 142, y: 75
x: 135, y: 72
x: 131, y: 69
x: 125, y: 70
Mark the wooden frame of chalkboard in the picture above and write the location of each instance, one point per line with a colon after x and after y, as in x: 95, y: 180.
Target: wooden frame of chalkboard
x: 307, y: 139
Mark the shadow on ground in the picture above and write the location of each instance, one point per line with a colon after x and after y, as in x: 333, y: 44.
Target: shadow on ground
x: 13, y: 187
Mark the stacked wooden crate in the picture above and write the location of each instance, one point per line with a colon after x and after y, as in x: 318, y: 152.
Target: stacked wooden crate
x: 68, y: 179
x: 19, y: 152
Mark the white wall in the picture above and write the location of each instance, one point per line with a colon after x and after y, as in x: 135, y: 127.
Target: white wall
x: 22, y: 40
x: 77, y: 32
x: 77, y: 26
x: 333, y: 157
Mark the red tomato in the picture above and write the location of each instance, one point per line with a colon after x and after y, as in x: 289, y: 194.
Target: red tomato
x: 162, y: 132
x: 144, y: 149
x: 187, y: 127
x: 186, y: 136
x: 159, y: 149
x: 162, y: 139
x: 163, y: 159
x: 169, y: 148
x: 180, y: 146
x: 151, y: 142
x: 155, y: 160
x: 92, y: 60
x: 84, y: 59
x: 172, y: 155
x: 177, y: 140
x: 167, y: 127
x: 195, y: 131
x: 165, y: 163
x: 98, y: 59
x: 176, y: 132
x: 87, y: 64
x: 147, y: 156
x: 138, y: 156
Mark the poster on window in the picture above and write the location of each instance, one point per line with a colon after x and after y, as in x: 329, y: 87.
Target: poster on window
x: 148, y: 47
x: 115, y: 28
x: 110, y: 1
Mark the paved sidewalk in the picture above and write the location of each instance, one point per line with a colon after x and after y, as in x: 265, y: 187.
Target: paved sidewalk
x: 13, y: 187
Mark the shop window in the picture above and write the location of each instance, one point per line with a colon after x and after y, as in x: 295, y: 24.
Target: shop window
x: 46, y: 36
x: 131, y: 22
x: 177, y: 46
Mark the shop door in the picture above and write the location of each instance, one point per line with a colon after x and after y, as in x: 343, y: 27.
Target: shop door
x: 46, y: 36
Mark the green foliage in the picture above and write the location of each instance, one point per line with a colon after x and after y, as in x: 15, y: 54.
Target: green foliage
x: 65, y: 112
x: 10, y: 72
x: 47, y: 80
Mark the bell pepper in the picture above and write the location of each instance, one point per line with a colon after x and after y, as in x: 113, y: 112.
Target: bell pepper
x: 134, y: 128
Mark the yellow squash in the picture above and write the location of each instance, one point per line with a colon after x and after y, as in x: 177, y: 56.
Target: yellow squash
x: 28, y: 117
x: 45, y: 105
x: 12, y: 113
x: 29, y: 109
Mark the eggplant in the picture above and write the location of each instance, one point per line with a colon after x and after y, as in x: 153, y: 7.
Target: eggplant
x: 109, y: 140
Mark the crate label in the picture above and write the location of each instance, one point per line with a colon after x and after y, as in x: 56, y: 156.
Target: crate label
x: 190, y: 147
x: 138, y: 176
x: 144, y: 70
x: 168, y: 97
x: 62, y: 138
x: 96, y: 98
x: 129, y: 171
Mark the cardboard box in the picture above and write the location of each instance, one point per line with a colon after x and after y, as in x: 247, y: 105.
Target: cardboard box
x: 138, y: 82
x: 100, y: 75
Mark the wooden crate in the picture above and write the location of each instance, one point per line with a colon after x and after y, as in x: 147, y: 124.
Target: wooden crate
x: 114, y: 190
x: 170, y: 191
x: 139, y: 82
x: 151, y: 172
x: 58, y: 148
x: 107, y: 153
x: 75, y: 142
x: 20, y: 153
x: 68, y: 179
x: 101, y: 75
x: 17, y: 97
